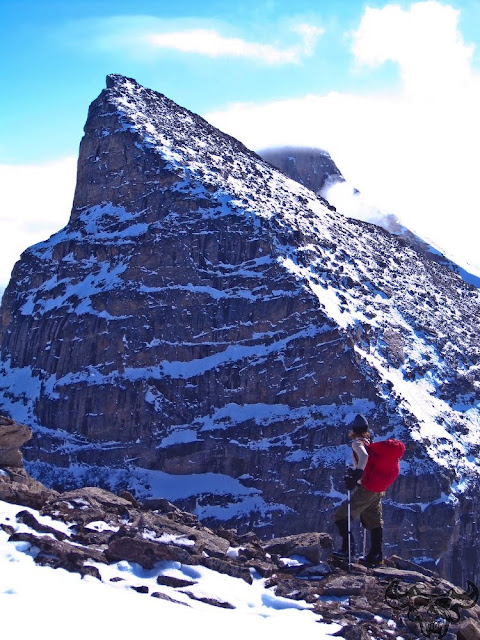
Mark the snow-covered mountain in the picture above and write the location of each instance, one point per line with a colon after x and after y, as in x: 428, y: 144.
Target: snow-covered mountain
x: 204, y: 328
x: 315, y: 169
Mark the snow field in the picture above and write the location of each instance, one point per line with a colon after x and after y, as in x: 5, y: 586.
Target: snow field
x: 52, y: 604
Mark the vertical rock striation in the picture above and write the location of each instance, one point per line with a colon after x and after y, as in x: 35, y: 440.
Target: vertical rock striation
x: 204, y: 328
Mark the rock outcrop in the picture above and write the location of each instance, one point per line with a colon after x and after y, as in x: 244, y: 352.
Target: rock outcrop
x: 16, y: 485
x: 204, y: 328
x: 12, y: 437
x: 314, y: 168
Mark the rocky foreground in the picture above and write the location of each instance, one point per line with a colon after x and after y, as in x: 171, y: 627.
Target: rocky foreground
x: 92, y: 528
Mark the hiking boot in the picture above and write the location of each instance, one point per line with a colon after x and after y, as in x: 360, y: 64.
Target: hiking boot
x: 372, y: 560
x: 375, y: 556
x: 342, y: 526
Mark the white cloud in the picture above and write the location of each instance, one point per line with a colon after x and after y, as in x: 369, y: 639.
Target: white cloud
x: 144, y: 37
x: 413, y: 151
x: 36, y: 202
x: 424, y: 41
x: 310, y: 35
x: 210, y: 43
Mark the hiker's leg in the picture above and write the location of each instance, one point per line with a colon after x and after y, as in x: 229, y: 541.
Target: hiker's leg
x: 342, y: 527
x: 372, y: 519
x: 375, y: 555
x: 340, y: 520
x: 371, y: 514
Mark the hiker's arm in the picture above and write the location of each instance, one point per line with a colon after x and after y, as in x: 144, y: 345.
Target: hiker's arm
x: 361, y: 456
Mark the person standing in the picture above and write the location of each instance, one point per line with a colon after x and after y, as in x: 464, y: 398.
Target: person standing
x: 364, y: 503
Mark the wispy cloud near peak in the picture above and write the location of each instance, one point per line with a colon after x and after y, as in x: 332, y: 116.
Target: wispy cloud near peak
x: 210, y: 43
x: 148, y: 35
x: 411, y: 150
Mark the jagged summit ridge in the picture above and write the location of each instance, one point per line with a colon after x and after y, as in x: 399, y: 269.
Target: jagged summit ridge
x: 202, y: 314
x: 186, y: 146
x: 315, y: 169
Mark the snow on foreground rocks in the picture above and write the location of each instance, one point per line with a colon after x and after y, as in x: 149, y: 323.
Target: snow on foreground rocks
x: 117, y: 606
x: 114, y: 607
x: 93, y: 551
x: 113, y: 566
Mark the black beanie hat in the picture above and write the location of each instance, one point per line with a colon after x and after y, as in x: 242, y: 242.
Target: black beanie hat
x: 359, y: 424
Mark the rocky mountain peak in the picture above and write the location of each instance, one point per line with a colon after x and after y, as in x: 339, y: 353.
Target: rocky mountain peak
x: 205, y: 328
x: 115, y: 80
x: 176, y: 141
x: 312, y: 167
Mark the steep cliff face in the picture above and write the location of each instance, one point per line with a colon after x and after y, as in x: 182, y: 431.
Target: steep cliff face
x: 314, y: 168
x: 204, y: 328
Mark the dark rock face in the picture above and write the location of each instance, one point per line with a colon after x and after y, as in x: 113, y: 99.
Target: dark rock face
x: 314, y: 168
x: 204, y: 328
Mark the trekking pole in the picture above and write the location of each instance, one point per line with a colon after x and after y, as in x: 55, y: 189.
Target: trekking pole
x: 364, y: 542
x: 349, y: 529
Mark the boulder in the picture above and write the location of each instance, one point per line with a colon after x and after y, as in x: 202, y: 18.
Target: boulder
x: 468, y: 630
x: 344, y: 585
x: 87, y: 504
x: 18, y: 487
x: 26, y: 517
x: 228, y: 567
x: 315, y: 547
x: 12, y: 437
x: 146, y: 553
x: 214, y: 602
x: 59, y: 553
x: 176, y: 583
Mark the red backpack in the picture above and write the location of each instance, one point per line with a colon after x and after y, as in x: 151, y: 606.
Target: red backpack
x: 383, y: 464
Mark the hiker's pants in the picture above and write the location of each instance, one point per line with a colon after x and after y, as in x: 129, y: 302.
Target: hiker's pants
x: 364, y: 503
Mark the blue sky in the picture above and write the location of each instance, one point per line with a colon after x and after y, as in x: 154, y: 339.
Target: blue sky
x: 60, y: 52
x: 392, y: 91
